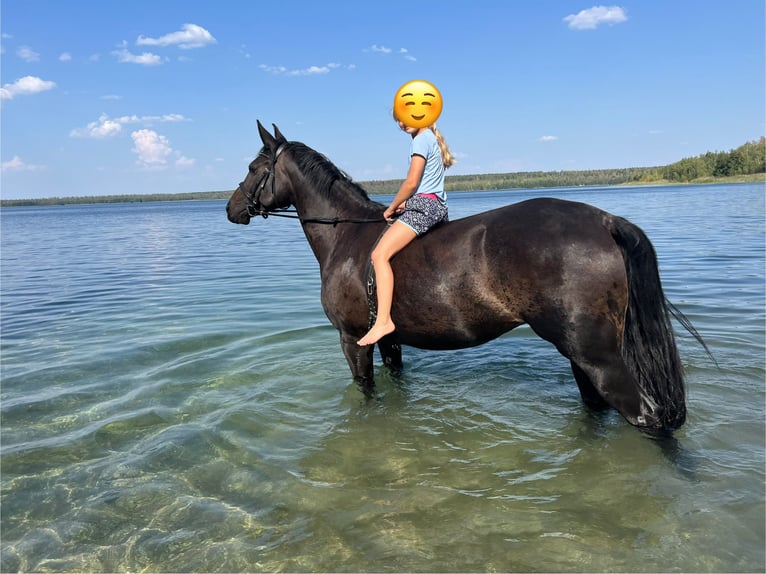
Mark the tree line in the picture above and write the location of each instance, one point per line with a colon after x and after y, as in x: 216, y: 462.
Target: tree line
x: 747, y: 161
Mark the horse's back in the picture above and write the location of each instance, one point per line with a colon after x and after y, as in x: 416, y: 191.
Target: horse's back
x: 532, y: 232
x: 478, y: 277
x: 527, y: 217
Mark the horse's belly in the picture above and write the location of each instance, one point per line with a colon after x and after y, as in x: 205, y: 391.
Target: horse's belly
x: 450, y: 339
x: 451, y: 323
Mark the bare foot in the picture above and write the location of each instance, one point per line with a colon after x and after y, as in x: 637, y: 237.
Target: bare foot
x: 377, y: 332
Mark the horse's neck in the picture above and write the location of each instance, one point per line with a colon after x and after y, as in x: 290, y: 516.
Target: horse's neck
x: 326, y: 238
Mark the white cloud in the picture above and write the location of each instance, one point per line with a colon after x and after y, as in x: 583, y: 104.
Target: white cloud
x: 17, y: 164
x: 593, y: 17
x: 101, y: 129
x: 407, y: 56
x: 182, y: 161
x: 310, y: 71
x: 548, y: 138
x: 281, y: 70
x: 379, y: 49
x: 25, y: 86
x: 134, y: 119
x: 154, y: 151
x: 405, y: 53
x: 107, y: 127
x: 190, y: 36
x: 27, y: 54
x: 65, y: 57
x: 152, y: 148
x: 146, y: 59
x: 273, y: 69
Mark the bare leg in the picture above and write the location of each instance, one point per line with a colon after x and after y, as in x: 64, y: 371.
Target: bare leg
x: 394, y: 239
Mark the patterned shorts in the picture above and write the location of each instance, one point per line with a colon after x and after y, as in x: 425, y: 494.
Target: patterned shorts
x: 422, y: 213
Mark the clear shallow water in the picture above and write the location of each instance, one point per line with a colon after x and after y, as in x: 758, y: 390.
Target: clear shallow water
x: 173, y: 399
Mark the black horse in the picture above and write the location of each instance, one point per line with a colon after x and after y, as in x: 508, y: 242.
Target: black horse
x: 583, y: 279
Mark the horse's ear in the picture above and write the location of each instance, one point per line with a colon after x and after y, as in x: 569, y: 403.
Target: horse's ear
x: 267, y: 139
x: 278, y: 134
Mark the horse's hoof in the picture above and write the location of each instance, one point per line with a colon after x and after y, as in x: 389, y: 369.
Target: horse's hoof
x: 366, y: 386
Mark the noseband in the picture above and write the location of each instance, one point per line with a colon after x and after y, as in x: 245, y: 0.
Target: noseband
x: 254, y: 199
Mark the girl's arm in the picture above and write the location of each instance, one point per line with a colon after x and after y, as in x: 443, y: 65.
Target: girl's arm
x: 409, y: 185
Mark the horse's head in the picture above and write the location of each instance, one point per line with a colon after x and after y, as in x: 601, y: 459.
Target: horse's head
x: 262, y: 190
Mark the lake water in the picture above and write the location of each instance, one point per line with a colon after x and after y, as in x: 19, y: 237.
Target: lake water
x: 173, y: 399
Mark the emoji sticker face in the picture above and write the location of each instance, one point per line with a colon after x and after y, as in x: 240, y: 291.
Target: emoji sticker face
x: 418, y: 104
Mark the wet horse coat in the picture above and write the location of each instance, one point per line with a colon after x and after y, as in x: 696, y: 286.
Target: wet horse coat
x: 581, y: 278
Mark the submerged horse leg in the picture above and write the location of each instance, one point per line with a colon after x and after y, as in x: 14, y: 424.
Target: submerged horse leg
x: 391, y: 353
x: 609, y: 377
x: 359, y: 361
x: 590, y: 396
x: 592, y: 346
x: 595, y: 349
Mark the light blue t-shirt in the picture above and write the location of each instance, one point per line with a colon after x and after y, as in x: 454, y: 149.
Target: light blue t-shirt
x: 425, y: 144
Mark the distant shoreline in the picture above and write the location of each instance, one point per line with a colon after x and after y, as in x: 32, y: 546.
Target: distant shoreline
x: 457, y: 183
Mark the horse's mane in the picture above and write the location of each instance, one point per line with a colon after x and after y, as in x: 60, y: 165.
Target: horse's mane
x: 321, y: 173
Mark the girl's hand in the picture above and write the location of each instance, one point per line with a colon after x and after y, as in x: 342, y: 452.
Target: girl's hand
x: 391, y: 210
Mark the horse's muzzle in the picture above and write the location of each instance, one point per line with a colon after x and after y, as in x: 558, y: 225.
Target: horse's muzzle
x: 237, y: 214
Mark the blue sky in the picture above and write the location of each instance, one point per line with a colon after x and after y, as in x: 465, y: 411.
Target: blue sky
x: 162, y: 96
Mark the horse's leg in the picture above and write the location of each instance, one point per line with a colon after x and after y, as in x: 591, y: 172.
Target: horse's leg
x: 391, y: 353
x: 611, y: 378
x: 591, y: 344
x: 360, y: 361
x: 590, y: 396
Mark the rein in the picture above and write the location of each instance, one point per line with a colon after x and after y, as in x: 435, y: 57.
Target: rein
x: 289, y: 214
x: 254, y: 206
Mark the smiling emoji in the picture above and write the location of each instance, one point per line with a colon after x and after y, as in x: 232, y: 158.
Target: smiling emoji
x: 418, y: 104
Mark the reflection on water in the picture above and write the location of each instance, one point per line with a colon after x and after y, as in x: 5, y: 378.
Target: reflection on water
x: 174, y: 399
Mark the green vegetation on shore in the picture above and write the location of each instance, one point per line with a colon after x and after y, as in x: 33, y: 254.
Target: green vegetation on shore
x: 746, y: 163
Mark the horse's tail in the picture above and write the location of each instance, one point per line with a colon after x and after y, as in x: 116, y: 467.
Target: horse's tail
x: 649, y: 348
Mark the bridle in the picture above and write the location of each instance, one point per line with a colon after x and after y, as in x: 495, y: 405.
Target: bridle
x: 254, y: 204
x: 254, y: 199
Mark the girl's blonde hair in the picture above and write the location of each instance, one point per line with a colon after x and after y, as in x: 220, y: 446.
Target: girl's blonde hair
x: 448, y: 159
